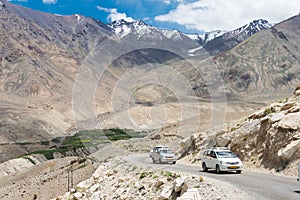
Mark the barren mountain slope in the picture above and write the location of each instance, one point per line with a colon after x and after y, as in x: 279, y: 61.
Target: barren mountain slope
x: 266, y: 65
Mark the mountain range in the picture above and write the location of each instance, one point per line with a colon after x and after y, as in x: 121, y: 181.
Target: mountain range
x: 60, y: 74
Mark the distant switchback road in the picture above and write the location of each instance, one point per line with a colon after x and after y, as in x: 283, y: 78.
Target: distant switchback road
x: 262, y: 186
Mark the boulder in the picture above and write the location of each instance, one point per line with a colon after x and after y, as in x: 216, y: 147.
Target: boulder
x: 224, y: 139
x: 84, y: 185
x: 257, y: 115
x: 276, y: 107
x: 166, y: 193
x: 249, y: 128
x: 287, y: 105
x: 277, y: 117
x: 297, y: 90
x: 190, y: 194
x: 288, y: 151
x: 178, y: 183
x: 294, y: 109
x: 290, y: 121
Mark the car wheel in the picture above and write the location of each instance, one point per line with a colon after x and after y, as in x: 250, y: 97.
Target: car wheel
x: 153, y: 160
x: 159, y: 160
x: 204, y: 167
x: 174, y: 162
x: 239, y: 171
x: 218, y: 169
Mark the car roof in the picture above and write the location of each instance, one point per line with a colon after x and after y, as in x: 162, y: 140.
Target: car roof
x: 161, y: 146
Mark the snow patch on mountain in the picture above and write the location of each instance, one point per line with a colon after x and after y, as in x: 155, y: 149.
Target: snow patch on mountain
x: 123, y: 28
x: 253, y: 27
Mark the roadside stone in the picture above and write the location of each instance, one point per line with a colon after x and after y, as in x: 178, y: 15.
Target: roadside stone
x: 77, y: 195
x: 249, y: 128
x: 84, y: 185
x: 190, y: 194
x: 121, y: 179
x: 290, y: 121
x: 287, y: 105
x: 294, y: 109
x: 257, y: 115
x: 94, y: 187
x: 166, y: 193
x: 160, y: 182
x: 224, y: 139
x: 276, y: 106
x: 288, y: 151
x: 178, y: 183
x: 277, y: 117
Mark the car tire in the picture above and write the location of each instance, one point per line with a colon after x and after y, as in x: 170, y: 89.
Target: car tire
x: 218, y: 169
x: 238, y: 171
x: 205, y: 169
x: 159, y: 160
x: 174, y: 162
x: 153, y: 160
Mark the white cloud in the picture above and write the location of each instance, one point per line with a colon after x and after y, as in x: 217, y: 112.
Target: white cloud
x: 210, y: 15
x: 115, y: 15
x: 50, y: 1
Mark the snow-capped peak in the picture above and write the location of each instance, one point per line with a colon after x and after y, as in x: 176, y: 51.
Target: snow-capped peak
x: 253, y: 27
x: 123, y: 28
x: 205, y: 37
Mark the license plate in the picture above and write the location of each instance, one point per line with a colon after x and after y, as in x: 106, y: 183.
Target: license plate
x: 233, y: 167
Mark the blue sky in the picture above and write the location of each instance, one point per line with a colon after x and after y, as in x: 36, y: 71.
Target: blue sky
x: 190, y: 16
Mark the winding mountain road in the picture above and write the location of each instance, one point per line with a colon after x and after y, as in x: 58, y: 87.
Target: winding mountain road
x: 261, y: 186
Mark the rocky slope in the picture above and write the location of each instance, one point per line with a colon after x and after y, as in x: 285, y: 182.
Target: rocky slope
x: 222, y: 41
x: 268, y: 138
x: 119, y: 180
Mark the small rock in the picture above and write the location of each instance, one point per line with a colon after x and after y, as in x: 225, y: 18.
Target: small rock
x: 166, y: 193
x: 294, y: 109
x: 84, y: 185
x: 77, y: 195
x: 287, y: 105
x: 257, y: 115
x: 94, y: 187
x: 178, y: 183
x: 160, y: 182
x: 121, y: 179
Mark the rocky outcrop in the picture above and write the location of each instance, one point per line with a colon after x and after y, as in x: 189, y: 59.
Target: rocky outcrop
x: 269, y: 137
x: 130, y: 182
x: 118, y: 179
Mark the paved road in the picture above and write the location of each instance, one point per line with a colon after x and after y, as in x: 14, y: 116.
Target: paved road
x: 262, y: 186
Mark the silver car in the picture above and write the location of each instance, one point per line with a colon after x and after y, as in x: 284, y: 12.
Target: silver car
x: 163, y: 155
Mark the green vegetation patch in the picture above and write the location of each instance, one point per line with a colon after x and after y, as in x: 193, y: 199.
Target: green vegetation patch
x: 84, y: 139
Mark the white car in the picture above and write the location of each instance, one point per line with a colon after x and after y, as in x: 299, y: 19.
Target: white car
x: 156, y: 148
x: 163, y: 155
x: 221, y: 159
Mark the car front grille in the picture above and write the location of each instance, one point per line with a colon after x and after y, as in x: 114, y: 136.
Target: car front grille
x: 232, y: 163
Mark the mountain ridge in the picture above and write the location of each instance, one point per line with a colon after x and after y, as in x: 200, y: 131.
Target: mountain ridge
x: 41, y: 55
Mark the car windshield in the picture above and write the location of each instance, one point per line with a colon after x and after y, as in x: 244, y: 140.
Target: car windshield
x: 166, y: 151
x: 226, y: 154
